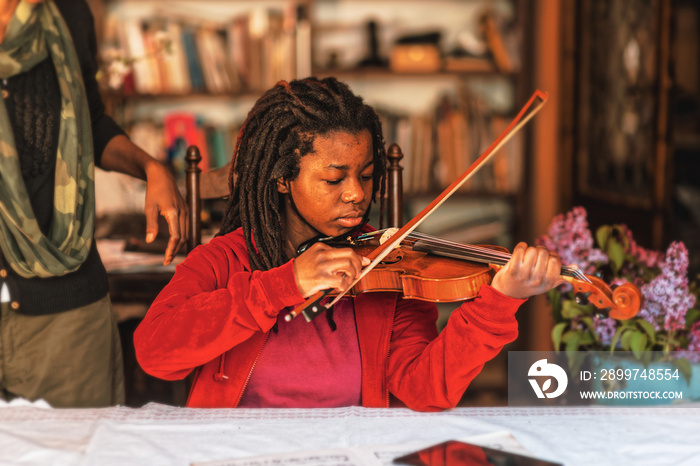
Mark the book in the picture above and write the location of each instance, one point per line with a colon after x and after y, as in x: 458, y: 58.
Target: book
x: 218, y: 145
x: 182, y: 129
x: 146, y: 76
x: 175, y: 60
x: 194, y: 64
x: 211, y: 50
x: 496, y: 44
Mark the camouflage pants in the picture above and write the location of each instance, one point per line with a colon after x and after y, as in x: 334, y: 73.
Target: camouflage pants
x: 69, y: 359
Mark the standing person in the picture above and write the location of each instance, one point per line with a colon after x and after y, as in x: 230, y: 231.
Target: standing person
x: 58, y: 336
x: 310, y: 158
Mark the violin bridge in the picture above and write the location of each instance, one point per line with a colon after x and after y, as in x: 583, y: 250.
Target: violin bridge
x: 388, y: 233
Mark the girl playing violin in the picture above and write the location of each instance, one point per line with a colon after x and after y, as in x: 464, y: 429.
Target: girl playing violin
x: 310, y: 160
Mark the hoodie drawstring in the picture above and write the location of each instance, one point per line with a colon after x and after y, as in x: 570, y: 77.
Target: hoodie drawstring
x: 220, y: 376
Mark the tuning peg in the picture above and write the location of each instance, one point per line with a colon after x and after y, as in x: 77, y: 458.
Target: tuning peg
x: 582, y: 298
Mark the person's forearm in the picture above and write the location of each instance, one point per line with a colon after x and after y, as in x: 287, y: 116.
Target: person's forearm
x: 123, y: 156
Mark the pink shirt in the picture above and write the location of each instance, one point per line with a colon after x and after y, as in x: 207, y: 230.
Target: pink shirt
x: 306, y: 364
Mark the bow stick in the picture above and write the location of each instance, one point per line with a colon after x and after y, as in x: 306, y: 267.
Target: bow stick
x: 533, y: 105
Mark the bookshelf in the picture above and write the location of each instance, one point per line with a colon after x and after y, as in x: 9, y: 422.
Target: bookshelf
x: 443, y: 114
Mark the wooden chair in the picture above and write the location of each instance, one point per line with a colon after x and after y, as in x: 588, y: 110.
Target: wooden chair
x: 213, y: 184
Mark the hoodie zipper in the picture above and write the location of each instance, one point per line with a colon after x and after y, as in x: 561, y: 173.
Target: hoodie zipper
x: 250, y: 373
x: 386, y: 370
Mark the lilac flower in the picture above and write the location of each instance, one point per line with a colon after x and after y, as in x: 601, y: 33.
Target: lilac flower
x: 645, y: 257
x: 568, y: 235
x: 605, y: 329
x: 693, y: 352
x: 667, y: 297
x: 662, y: 278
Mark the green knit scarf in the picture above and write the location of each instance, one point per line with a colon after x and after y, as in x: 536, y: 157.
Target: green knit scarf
x: 35, y: 32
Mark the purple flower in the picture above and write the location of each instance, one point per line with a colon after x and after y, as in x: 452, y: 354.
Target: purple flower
x: 693, y: 352
x: 605, y: 328
x: 667, y: 297
x: 645, y: 257
x: 694, y: 337
x: 661, y: 277
x: 568, y: 235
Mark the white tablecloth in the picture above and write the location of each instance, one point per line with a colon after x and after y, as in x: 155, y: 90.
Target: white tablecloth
x: 164, y: 435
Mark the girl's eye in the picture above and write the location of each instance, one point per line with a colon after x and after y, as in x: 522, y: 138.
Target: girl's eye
x: 333, y: 182
x: 367, y: 177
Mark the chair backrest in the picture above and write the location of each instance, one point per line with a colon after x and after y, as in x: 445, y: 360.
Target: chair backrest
x: 213, y: 184
x: 394, y: 186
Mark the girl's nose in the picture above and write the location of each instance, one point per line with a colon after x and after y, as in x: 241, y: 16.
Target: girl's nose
x: 354, y: 193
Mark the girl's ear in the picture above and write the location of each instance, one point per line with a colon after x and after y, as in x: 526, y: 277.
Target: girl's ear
x: 282, y: 185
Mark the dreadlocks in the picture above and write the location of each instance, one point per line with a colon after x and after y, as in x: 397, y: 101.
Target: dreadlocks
x: 279, y: 130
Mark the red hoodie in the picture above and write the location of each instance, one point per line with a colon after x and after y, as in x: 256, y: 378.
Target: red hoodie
x: 215, y: 315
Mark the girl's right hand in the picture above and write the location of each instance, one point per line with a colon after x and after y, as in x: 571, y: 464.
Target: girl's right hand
x: 321, y: 267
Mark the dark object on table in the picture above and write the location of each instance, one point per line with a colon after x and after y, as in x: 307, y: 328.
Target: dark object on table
x: 455, y: 453
x: 373, y: 58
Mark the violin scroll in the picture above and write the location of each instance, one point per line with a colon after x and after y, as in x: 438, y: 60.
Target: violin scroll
x: 622, y: 303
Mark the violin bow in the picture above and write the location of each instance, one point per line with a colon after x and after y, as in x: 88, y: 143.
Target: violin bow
x: 311, y: 307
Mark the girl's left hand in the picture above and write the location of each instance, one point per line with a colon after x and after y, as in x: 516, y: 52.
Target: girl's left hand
x: 530, y: 271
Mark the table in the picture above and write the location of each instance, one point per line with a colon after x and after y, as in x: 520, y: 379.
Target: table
x: 164, y: 435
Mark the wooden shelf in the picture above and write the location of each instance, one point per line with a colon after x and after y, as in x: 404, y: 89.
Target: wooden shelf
x: 109, y: 94
x: 385, y: 73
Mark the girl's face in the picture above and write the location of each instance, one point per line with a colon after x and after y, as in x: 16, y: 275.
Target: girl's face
x: 333, y: 190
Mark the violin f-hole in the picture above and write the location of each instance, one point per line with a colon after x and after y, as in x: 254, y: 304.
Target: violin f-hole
x: 392, y: 259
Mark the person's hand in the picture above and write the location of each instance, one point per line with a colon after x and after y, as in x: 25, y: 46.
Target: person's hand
x: 164, y: 198
x: 530, y: 271
x: 321, y: 267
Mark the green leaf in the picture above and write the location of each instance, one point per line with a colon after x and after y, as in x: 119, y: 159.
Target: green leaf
x: 692, y: 316
x: 621, y: 236
x: 570, y: 310
x: 615, y: 338
x: 648, y: 328
x: 602, y: 235
x: 588, y: 322
x: 569, y: 335
x: 575, y: 359
x: 616, y: 253
x: 572, y: 341
x: 684, y: 367
x: 638, y: 343
x: 586, y: 339
x: 557, y: 331
x: 625, y: 339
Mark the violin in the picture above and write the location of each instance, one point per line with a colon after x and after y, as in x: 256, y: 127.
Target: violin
x: 433, y: 269
x: 622, y: 303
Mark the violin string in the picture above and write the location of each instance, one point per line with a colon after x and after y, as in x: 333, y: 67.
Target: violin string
x: 482, y: 253
x: 485, y: 254
x: 423, y: 245
x: 463, y: 247
x: 476, y: 253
